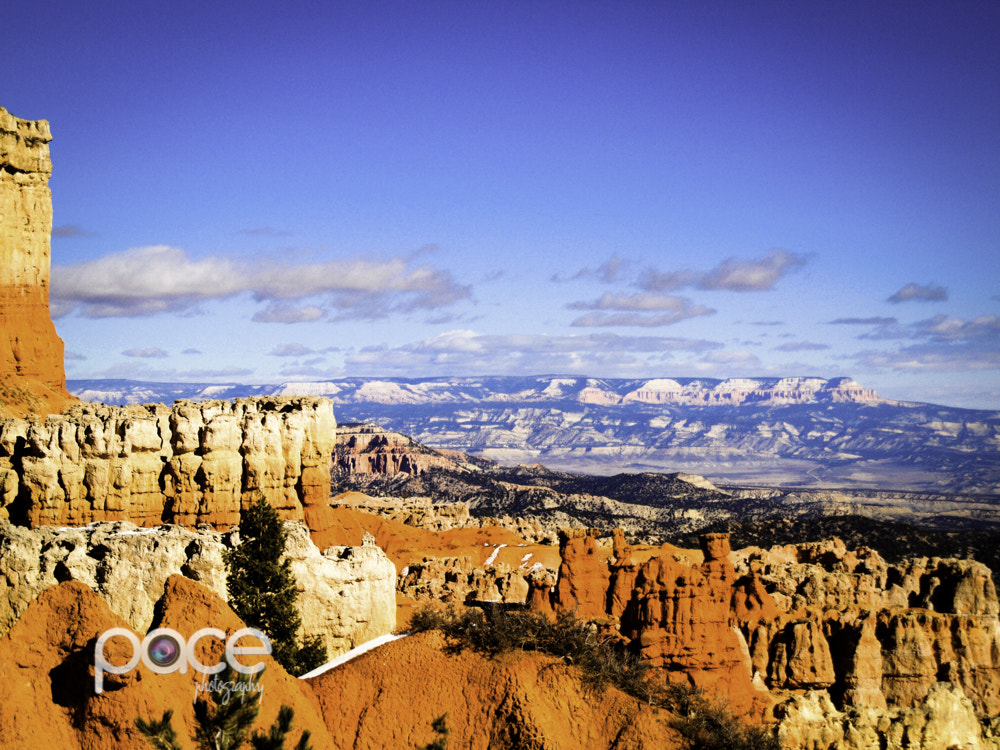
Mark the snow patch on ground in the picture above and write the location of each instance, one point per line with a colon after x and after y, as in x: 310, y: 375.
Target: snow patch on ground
x: 344, y: 658
x: 491, y: 558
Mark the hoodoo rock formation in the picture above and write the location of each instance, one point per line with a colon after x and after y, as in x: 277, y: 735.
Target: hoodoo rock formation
x: 31, y: 353
x: 843, y: 644
x: 675, y: 615
x: 871, y: 633
x: 189, y: 464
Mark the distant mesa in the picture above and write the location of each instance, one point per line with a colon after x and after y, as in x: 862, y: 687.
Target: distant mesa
x: 31, y: 353
x: 501, y: 389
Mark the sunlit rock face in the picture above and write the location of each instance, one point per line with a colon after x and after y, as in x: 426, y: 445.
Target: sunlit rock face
x: 189, y: 464
x: 31, y: 353
x: 346, y: 594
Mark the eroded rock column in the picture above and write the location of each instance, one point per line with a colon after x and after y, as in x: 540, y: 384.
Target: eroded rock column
x: 31, y: 353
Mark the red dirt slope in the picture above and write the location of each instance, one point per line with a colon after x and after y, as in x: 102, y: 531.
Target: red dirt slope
x: 47, y: 697
x: 388, y: 698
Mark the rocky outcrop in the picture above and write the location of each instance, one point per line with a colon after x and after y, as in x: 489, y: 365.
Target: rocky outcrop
x: 759, y: 391
x: 346, y: 594
x: 189, y: 464
x: 517, y: 700
x: 420, y: 512
x: 582, y: 583
x: 809, y: 617
x: 945, y: 719
x: 370, y: 450
x: 456, y: 579
x: 31, y: 353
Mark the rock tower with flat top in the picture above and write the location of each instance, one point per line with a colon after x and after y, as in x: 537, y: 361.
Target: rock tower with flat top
x: 32, y: 375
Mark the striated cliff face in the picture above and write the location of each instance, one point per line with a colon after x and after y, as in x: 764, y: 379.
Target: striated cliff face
x: 736, y: 391
x: 189, y: 464
x: 31, y: 353
x: 346, y: 594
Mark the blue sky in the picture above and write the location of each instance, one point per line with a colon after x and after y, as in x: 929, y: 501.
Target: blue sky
x: 261, y: 192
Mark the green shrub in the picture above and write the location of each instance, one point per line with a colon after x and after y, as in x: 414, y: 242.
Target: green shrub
x: 441, y: 730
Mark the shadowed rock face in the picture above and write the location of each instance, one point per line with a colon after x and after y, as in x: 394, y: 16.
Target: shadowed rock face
x: 189, y: 464
x: 31, y: 353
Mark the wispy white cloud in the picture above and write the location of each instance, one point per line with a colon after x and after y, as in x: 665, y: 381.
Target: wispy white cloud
x: 941, y: 344
x: 147, y: 353
x: 875, y: 321
x: 157, y: 279
x: 610, y: 271
x: 282, y: 312
x: 70, y: 231
x: 223, y: 372
x: 471, y: 352
x: 728, y: 362
x: 68, y: 356
x: 290, y: 350
x: 672, y: 309
x: 801, y: 346
x: 733, y: 274
x: 141, y: 370
x: 920, y: 293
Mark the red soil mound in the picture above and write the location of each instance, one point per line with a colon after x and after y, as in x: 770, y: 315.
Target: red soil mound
x: 388, y: 698
x: 47, y: 697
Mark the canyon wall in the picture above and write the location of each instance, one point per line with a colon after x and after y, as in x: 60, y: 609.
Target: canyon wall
x: 346, y: 594
x: 31, y: 353
x: 186, y: 464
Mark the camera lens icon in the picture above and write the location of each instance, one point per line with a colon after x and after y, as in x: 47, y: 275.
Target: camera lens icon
x: 165, y: 650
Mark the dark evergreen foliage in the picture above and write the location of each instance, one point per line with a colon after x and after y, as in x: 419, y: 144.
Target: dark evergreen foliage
x: 262, y: 589
x: 440, y: 728
x: 159, y: 734
x: 225, y: 717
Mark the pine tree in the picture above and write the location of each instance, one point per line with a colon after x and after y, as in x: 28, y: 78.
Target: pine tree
x: 160, y: 734
x: 262, y: 589
x: 224, y: 721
